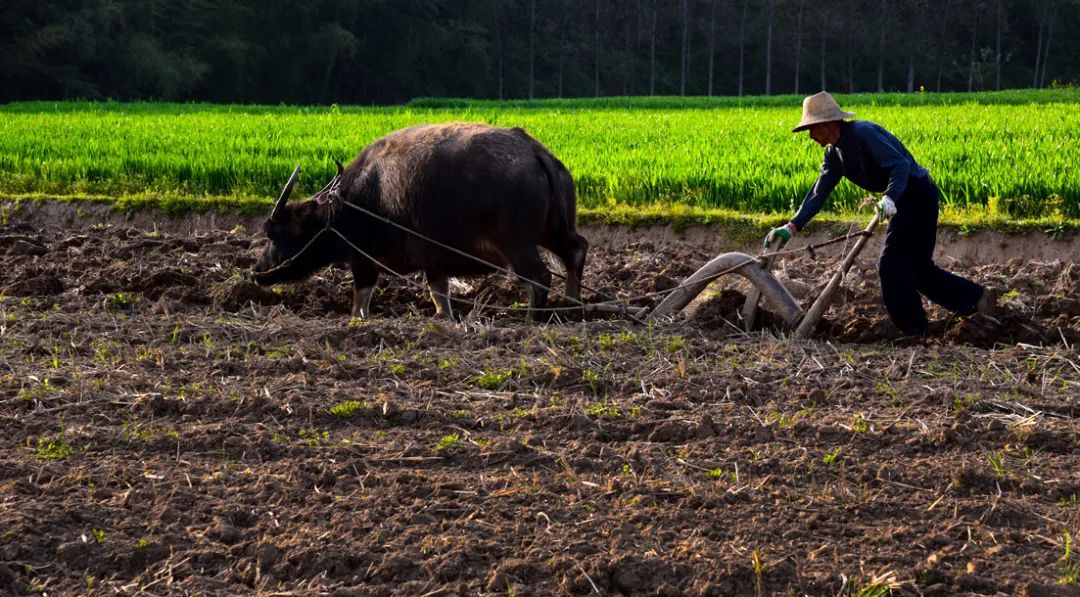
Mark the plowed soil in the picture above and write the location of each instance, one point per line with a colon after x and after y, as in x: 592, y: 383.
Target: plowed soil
x: 171, y: 428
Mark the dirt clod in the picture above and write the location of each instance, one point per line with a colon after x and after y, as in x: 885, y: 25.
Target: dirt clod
x: 45, y: 285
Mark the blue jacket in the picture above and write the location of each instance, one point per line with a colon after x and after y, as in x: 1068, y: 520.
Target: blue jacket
x: 869, y: 156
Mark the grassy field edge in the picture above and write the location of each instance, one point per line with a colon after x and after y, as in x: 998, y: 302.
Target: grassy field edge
x: 741, y: 226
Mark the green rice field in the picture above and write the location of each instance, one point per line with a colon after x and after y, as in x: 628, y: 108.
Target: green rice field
x: 1008, y: 156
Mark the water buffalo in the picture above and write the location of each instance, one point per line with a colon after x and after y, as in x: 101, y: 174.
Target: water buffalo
x: 495, y: 193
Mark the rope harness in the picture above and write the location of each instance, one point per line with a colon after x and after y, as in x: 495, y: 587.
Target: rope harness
x: 620, y: 305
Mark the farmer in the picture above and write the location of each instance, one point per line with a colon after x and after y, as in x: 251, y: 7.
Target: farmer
x: 872, y: 158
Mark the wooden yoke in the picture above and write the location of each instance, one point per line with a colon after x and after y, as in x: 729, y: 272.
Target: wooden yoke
x: 808, y: 323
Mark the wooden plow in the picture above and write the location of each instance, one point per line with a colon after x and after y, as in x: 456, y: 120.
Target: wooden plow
x: 764, y: 285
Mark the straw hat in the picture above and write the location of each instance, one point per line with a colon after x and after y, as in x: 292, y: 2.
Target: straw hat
x: 818, y: 108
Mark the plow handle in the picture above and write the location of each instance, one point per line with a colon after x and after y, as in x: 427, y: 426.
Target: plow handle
x: 809, y: 322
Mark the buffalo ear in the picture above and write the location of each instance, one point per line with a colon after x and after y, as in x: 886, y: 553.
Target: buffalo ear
x: 279, y: 207
x: 340, y: 168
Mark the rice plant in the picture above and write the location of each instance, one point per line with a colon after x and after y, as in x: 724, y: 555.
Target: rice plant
x: 1010, y: 153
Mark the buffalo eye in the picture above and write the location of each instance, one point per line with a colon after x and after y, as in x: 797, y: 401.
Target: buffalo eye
x: 272, y: 230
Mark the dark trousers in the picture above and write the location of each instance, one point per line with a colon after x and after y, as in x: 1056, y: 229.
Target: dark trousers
x: 907, y: 266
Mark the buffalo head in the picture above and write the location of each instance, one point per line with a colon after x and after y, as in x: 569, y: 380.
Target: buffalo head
x: 293, y: 252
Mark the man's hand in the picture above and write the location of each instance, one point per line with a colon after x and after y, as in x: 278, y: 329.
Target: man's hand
x: 887, y: 207
x: 783, y: 233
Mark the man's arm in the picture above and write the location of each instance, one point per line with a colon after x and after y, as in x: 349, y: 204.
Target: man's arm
x: 815, y: 197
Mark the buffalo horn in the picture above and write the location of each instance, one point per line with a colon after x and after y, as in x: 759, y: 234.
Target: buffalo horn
x: 279, y: 207
x: 333, y: 181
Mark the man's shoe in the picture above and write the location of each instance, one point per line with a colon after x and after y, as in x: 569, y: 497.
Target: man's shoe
x: 987, y: 305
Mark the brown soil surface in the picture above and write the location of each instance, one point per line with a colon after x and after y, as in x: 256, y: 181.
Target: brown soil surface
x: 169, y: 427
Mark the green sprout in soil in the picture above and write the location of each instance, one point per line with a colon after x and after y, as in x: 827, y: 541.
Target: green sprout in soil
x: 604, y: 408
x: 996, y: 458
x: 523, y: 368
x: 832, y: 459
x: 101, y: 354
x: 759, y: 572
x: 493, y: 380
x: 283, y: 352
x: 1070, y: 569
x: 448, y: 443
x: 871, y: 590
x: 592, y: 378
x: 121, y: 301
x: 575, y: 345
x: 515, y: 413
x: 606, y: 341
x: 886, y: 388
x: 962, y: 403
x: 133, y: 430
x: 53, y: 449
x: 881, y: 585
x: 859, y: 424
x: 348, y: 409
x: 721, y: 475
x: 315, y: 437
x: 152, y: 356
x: 675, y: 344
x: 783, y: 421
x: 1056, y: 231
x: 35, y: 392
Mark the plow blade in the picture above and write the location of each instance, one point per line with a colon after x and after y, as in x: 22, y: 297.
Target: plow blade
x: 740, y: 264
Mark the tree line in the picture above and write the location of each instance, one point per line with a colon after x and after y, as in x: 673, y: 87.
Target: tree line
x: 389, y: 51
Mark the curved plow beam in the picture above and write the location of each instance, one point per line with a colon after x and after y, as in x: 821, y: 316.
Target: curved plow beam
x: 735, y: 263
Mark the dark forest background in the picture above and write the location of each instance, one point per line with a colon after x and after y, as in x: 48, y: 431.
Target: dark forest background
x: 388, y: 51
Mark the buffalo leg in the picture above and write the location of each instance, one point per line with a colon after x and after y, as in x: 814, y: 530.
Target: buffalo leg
x: 575, y: 265
x: 571, y: 252
x: 364, y: 280
x: 530, y: 266
x: 439, y: 288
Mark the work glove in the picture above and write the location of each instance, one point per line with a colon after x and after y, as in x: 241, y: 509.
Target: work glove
x: 783, y: 233
x: 887, y: 207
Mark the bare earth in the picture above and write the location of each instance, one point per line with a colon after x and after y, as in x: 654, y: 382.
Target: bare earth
x: 170, y: 428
